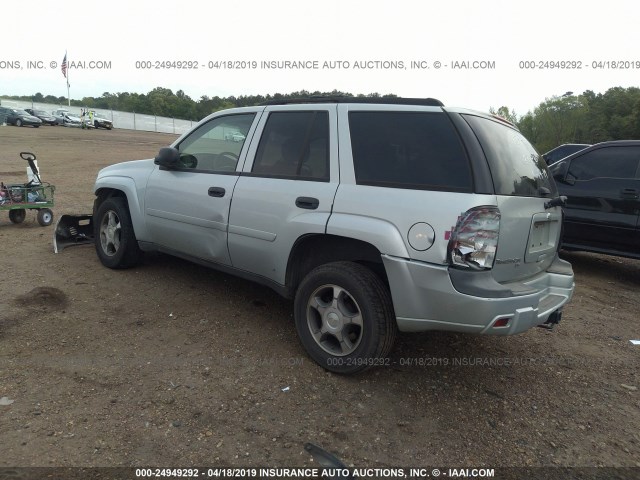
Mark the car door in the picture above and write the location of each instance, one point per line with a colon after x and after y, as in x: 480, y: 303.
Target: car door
x: 187, y: 208
x: 286, y: 189
x: 602, y: 190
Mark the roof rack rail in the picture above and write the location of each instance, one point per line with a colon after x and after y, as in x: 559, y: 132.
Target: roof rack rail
x: 430, y: 102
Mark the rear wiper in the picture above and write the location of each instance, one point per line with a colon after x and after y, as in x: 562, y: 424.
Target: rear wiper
x: 556, y: 202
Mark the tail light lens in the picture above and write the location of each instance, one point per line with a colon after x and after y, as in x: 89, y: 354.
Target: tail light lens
x: 474, y: 240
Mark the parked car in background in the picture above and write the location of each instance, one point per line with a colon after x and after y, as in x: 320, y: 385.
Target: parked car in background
x: 47, y: 118
x: 235, y: 137
x: 558, y: 153
x: 100, y: 121
x: 63, y: 117
x: 17, y: 117
x: 602, y: 185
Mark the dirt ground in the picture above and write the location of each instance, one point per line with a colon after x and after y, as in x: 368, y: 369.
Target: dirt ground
x: 173, y: 365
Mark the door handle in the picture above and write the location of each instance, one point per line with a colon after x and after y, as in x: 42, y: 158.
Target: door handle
x: 629, y: 193
x: 309, y: 203
x: 216, y: 192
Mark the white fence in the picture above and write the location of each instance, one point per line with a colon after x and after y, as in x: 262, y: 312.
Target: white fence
x: 124, y: 120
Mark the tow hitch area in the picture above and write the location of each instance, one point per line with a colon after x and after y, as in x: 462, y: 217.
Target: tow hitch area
x: 552, y: 321
x: 72, y: 230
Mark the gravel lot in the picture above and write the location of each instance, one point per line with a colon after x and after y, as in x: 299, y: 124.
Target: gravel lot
x: 173, y: 365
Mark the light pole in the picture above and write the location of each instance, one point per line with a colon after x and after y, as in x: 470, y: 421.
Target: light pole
x: 575, y: 126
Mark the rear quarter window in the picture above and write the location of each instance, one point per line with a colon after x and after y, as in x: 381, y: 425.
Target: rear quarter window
x: 516, y: 168
x: 415, y: 150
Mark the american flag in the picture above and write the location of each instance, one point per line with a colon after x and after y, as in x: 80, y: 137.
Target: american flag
x: 64, y: 66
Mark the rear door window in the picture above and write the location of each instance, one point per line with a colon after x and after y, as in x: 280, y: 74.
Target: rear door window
x: 294, y: 145
x: 416, y: 150
x: 517, y: 169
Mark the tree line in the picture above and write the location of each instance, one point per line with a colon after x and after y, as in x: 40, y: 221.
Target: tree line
x: 583, y: 118
x: 165, y: 103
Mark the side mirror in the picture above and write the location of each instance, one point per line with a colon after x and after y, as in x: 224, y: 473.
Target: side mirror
x: 559, y: 171
x: 167, y: 157
x: 570, y: 179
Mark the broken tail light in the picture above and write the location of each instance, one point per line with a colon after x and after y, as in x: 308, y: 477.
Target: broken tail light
x: 474, y: 240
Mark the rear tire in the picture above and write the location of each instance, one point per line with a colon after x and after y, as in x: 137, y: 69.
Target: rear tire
x: 45, y: 217
x: 115, y: 240
x: 344, y: 317
x: 17, y: 215
x: 18, y: 123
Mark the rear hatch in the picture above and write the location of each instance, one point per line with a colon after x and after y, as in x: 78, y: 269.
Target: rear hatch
x: 529, y: 232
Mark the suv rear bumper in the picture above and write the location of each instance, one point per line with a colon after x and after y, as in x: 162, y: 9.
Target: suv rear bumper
x: 425, y: 298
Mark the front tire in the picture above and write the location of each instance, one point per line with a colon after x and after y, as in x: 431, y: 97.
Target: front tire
x: 115, y: 240
x: 344, y: 317
x: 18, y: 123
x: 17, y: 215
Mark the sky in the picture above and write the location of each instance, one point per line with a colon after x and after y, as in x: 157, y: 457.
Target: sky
x: 472, y: 54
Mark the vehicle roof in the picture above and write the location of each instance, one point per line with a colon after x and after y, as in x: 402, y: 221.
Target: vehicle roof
x: 431, y: 102
x: 619, y: 143
x: 572, y: 145
x: 568, y: 145
x: 343, y: 99
x: 596, y: 146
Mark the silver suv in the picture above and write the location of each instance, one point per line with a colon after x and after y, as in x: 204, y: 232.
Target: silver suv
x: 374, y: 215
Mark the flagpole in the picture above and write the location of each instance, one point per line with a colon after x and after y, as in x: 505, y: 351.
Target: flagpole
x: 67, y: 76
x: 65, y: 72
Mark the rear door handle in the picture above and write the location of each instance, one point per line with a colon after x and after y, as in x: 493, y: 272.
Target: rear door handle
x: 216, y: 192
x: 309, y: 203
x: 629, y: 193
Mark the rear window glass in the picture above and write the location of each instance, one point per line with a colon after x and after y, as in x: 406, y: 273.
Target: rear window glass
x: 517, y: 169
x: 408, y: 150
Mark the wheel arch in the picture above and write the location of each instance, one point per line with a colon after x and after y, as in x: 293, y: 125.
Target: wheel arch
x: 125, y: 188
x: 313, y: 250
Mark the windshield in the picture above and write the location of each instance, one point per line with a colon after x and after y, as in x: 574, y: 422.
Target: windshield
x: 517, y: 169
x: 40, y: 112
